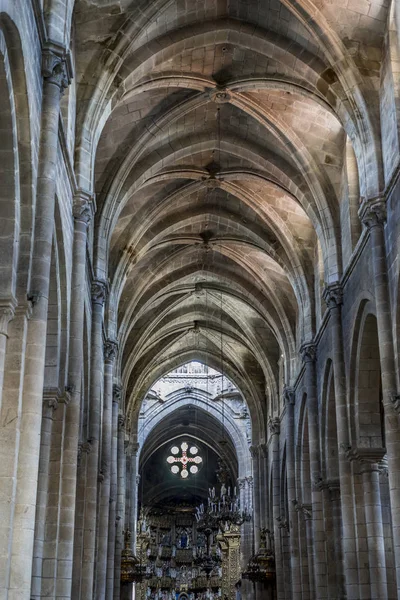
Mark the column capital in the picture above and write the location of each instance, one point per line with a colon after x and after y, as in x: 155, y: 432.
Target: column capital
x: 365, y: 455
x: 110, y: 350
x: 99, y: 291
x: 7, y: 313
x: 308, y: 352
x: 373, y: 212
x: 255, y: 452
x: 274, y: 426
x: 84, y: 206
x: 289, y: 396
x: 117, y: 393
x: 304, y: 509
x: 56, y: 64
x: 333, y: 295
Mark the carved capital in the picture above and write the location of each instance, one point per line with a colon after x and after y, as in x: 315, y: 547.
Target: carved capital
x: 255, y: 452
x: 366, y: 456
x: 373, y: 212
x: 308, y: 352
x: 7, y: 313
x: 99, y: 292
x: 56, y: 65
x: 304, y: 509
x: 117, y: 393
x: 333, y: 295
x: 274, y: 426
x: 289, y: 396
x: 110, y: 350
x: 121, y: 422
x: 395, y: 400
x: 83, y: 207
x: 283, y: 524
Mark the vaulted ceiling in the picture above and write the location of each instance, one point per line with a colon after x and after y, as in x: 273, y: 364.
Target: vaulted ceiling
x: 222, y: 131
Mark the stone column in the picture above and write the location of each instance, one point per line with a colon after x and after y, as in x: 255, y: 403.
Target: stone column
x: 373, y: 216
x: 83, y: 210
x: 7, y: 309
x: 305, y: 511
x: 289, y: 397
x: 263, y: 462
x: 110, y: 351
x: 133, y: 494
x: 113, y: 495
x: 121, y: 475
x: 56, y: 76
x: 92, y: 472
x: 318, y: 557
x: 275, y: 427
x: 334, y: 299
x: 369, y: 468
x: 255, y: 454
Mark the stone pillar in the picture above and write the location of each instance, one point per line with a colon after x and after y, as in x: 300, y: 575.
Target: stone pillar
x: 230, y: 546
x: 133, y: 493
x: 275, y: 427
x: 7, y: 309
x: 373, y: 215
x: 333, y: 298
x: 56, y: 76
x: 318, y: 557
x: 92, y: 472
x: 121, y: 475
x: 369, y: 468
x: 289, y: 397
x: 263, y: 461
x: 255, y: 454
x: 110, y: 351
x: 83, y: 210
x: 305, y: 511
x: 113, y: 495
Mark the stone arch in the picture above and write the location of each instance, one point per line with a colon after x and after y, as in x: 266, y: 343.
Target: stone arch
x: 200, y: 400
x: 330, y: 459
x: 366, y: 383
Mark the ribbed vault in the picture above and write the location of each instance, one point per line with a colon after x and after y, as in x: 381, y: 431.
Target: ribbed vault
x: 229, y: 137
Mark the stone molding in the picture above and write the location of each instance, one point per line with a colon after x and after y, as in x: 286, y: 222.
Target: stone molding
x: 373, y: 212
x: 56, y: 64
x: 84, y: 206
x: 333, y: 295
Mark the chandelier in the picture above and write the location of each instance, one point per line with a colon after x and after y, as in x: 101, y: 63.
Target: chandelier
x: 223, y: 509
x: 261, y: 567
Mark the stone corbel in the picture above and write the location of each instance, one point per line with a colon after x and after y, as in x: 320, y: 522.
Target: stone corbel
x: 373, y: 212
x: 304, y: 509
x: 7, y: 313
x: 368, y: 458
x: 283, y: 524
x: 57, y: 64
x: 395, y: 400
x: 274, y: 426
x: 99, y: 291
x: 117, y: 393
x: 84, y: 206
x: 308, y: 352
x: 333, y: 295
x: 289, y: 396
x: 110, y: 350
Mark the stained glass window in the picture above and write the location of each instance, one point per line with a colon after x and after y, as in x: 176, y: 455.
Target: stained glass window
x: 187, y: 462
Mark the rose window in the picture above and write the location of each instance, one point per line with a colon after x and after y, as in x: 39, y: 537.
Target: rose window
x: 184, y: 460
